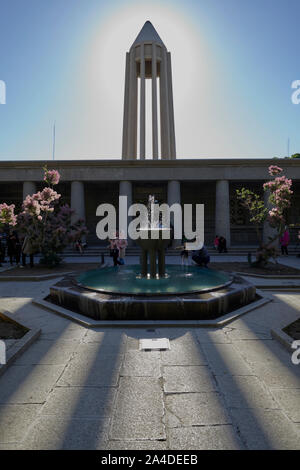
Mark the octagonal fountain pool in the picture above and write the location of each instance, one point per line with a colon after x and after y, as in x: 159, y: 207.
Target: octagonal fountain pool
x: 185, y: 293
x: 178, y: 280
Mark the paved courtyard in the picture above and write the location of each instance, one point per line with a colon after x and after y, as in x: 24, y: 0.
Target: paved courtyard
x: 78, y: 388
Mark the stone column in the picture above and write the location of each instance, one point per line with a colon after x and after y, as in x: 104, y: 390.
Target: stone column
x: 268, y: 231
x: 77, y: 200
x: 126, y: 109
x: 142, y: 107
x: 125, y: 189
x: 174, y: 196
x: 29, y: 188
x: 154, y: 105
x: 171, y: 110
x: 132, y: 108
x: 164, y: 108
x: 222, y: 225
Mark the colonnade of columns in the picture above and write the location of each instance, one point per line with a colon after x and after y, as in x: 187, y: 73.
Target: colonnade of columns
x: 222, y: 205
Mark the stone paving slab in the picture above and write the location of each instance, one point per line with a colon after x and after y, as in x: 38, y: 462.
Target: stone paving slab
x: 79, y: 402
x: 179, y: 379
x: 195, y: 409
x: 53, y: 433
x: 109, y: 339
x: 136, y: 445
x: 266, y: 429
x: 278, y: 375
x: 69, y: 332
x: 183, y: 355
x: 92, y: 368
x: 204, y: 438
x: 237, y: 333
x: 261, y: 351
x: 270, y: 362
x: 141, y: 364
x: 225, y: 359
x: 48, y: 352
x: 28, y: 384
x: 138, y: 410
x: 14, y: 446
x: 289, y: 400
x: 15, y: 420
x: 213, y: 335
x: 245, y: 392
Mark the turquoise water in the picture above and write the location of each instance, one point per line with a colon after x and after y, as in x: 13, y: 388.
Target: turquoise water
x: 126, y: 280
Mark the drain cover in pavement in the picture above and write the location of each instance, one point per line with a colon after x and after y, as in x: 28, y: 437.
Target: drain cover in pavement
x: 154, y: 344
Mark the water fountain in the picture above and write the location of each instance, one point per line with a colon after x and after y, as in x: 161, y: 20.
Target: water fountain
x: 153, y: 291
x: 153, y: 242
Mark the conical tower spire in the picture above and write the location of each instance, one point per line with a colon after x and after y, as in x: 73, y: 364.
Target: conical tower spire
x: 148, y: 58
x: 148, y: 34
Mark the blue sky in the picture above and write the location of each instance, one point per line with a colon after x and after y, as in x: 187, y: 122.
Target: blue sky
x: 233, y: 65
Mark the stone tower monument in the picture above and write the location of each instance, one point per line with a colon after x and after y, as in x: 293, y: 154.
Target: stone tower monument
x: 148, y: 58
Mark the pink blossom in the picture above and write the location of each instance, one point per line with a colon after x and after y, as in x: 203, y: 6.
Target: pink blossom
x: 274, y: 170
x: 51, y: 177
x: 7, y: 215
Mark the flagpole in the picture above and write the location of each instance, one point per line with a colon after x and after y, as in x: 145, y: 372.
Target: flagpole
x: 53, y: 146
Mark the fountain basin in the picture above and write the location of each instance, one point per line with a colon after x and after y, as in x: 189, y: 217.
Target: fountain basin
x: 206, y: 303
x: 127, y: 280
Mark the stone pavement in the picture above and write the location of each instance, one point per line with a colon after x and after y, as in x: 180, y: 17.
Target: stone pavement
x: 77, y: 388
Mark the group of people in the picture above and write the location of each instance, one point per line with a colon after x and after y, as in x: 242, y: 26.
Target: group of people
x: 16, y: 248
x: 220, y: 244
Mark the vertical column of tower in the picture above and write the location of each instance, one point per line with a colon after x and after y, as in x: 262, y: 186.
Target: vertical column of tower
x: 171, y: 110
x: 142, y: 106
x: 126, y: 109
x: 154, y: 105
x: 132, y: 113
x: 164, y: 107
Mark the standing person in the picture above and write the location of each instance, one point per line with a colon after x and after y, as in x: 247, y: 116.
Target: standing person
x: 114, y: 250
x: 79, y: 247
x: 201, y: 257
x: 27, y: 250
x: 216, y: 242
x: 2, y: 249
x: 18, y: 248
x: 184, y: 254
x: 122, y: 245
x: 11, y: 247
x: 222, y: 245
x: 284, y: 241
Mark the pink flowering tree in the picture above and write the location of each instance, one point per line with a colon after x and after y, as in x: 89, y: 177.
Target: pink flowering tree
x: 7, y: 215
x: 279, y: 199
x: 45, y: 222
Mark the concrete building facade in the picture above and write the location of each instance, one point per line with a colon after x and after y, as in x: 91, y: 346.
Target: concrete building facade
x: 212, y: 182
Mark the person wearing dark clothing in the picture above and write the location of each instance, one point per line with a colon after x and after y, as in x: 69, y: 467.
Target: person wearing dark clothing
x: 222, y: 245
x: 27, y: 249
x: 2, y: 247
x: 18, y: 249
x: 11, y: 247
x: 201, y: 257
x: 30, y: 260
x: 114, y: 251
